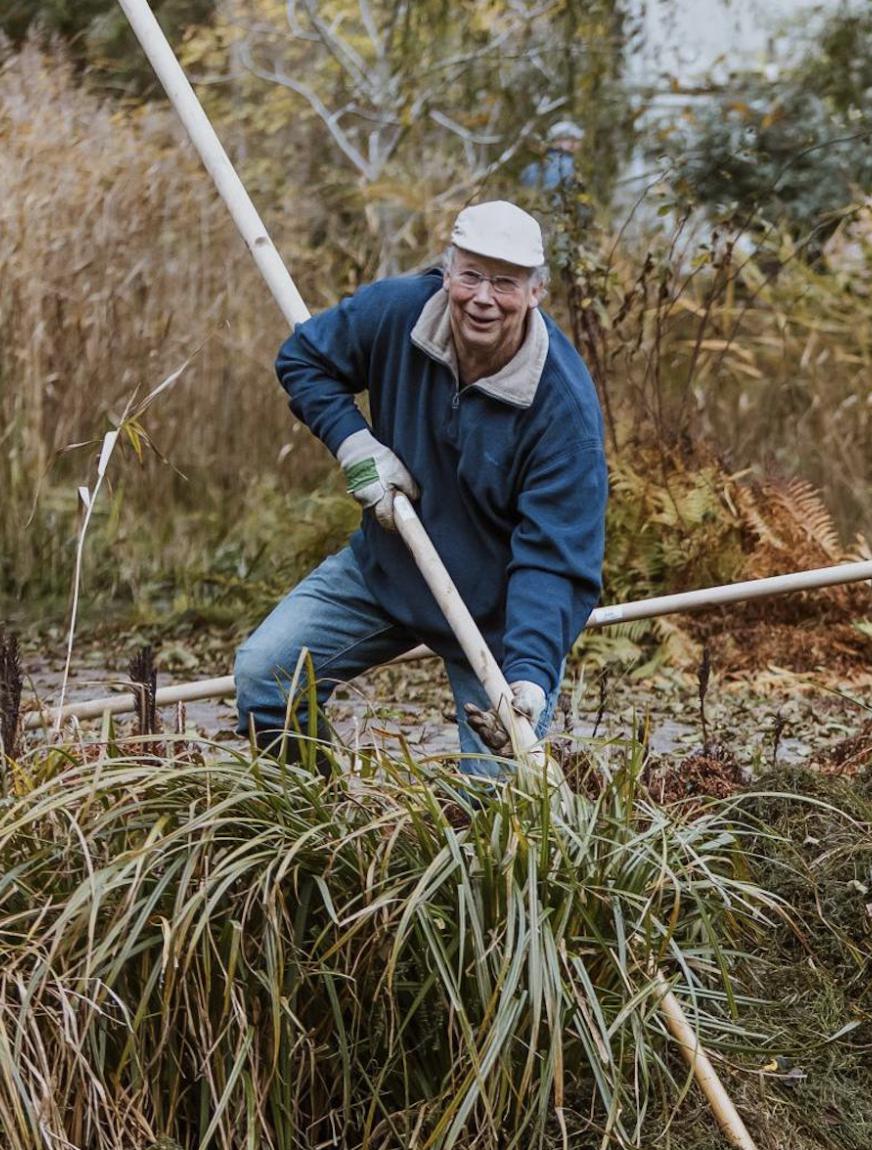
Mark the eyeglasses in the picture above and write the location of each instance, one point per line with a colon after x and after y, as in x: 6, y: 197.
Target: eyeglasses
x: 502, y: 285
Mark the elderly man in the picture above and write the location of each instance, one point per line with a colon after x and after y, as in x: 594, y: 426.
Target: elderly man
x: 482, y: 412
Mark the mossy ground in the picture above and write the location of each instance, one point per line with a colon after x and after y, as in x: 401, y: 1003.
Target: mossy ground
x: 812, y: 972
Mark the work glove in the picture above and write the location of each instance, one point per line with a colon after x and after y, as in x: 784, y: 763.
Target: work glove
x: 528, y: 699
x: 374, y: 474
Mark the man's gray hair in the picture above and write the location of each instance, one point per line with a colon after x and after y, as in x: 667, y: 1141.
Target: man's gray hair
x: 539, y: 275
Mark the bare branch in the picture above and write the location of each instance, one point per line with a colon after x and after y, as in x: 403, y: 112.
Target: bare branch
x: 342, y: 52
x: 459, y: 130
x: 483, y: 174
x: 295, y: 26
x: 386, y: 119
x: 371, y: 28
x: 278, y: 75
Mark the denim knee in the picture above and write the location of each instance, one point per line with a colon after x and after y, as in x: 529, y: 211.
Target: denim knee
x: 262, y: 689
x: 248, y: 679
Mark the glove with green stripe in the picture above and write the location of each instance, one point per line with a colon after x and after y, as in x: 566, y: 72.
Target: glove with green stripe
x: 374, y: 474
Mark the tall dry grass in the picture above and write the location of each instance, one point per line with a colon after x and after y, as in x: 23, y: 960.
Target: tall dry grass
x: 117, y: 262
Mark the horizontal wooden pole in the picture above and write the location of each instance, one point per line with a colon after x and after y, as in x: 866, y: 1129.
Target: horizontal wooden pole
x: 732, y: 593
x: 223, y: 687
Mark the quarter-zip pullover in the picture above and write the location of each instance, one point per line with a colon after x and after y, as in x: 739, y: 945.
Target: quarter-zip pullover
x: 511, y: 468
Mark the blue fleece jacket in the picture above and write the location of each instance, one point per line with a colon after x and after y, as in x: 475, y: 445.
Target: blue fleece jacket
x: 513, y: 480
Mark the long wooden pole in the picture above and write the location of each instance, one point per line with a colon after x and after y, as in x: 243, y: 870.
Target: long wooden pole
x: 211, y: 151
x: 839, y: 573
x: 706, y: 1076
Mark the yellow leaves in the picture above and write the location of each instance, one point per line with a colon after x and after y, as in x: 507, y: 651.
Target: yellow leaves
x: 205, y: 47
x: 136, y: 436
x: 272, y: 10
x: 485, y: 16
x: 272, y: 113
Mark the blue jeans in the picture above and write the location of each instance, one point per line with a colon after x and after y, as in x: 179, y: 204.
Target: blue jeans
x: 333, y: 614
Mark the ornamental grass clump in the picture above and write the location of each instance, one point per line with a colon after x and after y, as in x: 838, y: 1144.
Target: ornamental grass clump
x: 239, y: 953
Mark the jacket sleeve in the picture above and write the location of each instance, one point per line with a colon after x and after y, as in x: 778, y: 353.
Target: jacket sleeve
x: 555, y: 571
x: 325, y: 363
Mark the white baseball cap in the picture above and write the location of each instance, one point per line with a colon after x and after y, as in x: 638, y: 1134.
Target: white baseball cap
x: 565, y: 130
x: 502, y: 231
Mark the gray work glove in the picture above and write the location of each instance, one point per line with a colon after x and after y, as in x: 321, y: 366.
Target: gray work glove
x: 528, y: 699
x: 374, y: 474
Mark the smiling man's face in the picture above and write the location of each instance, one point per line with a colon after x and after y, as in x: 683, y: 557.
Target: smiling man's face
x: 488, y: 319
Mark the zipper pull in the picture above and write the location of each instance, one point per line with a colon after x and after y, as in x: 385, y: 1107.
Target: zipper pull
x: 455, y: 401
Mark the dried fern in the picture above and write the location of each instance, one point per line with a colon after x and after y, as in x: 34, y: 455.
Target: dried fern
x: 803, y: 509
x: 677, y: 524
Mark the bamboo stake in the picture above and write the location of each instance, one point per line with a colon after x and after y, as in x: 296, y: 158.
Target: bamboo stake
x: 728, y: 593
x: 722, y: 1105
x: 706, y: 597
x: 220, y: 688
x: 170, y: 73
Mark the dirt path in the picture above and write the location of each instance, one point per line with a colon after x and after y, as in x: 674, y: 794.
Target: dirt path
x: 773, y: 717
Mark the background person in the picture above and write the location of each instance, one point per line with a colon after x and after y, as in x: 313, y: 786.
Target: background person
x: 481, y: 411
x: 556, y: 170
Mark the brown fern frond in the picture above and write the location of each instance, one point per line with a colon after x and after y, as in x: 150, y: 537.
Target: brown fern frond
x: 807, y: 515
x: 747, y: 498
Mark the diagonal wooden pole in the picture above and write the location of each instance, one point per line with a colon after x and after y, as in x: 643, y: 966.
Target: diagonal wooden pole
x: 216, y: 161
x: 170, y: 73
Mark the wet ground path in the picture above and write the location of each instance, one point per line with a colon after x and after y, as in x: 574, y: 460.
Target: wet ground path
x: 772, y: 717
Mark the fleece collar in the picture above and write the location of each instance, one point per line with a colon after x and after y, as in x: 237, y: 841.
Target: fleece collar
x: 516, y: 383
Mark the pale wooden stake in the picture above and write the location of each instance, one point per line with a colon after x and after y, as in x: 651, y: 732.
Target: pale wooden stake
x: 722, y: 1106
